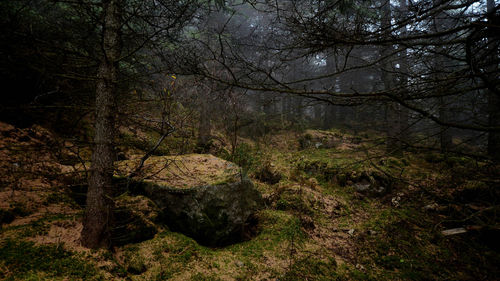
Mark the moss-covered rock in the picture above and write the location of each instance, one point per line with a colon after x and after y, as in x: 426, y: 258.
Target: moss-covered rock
x: 181, y: 171
x: 319, y: 139
x: 214, y: 215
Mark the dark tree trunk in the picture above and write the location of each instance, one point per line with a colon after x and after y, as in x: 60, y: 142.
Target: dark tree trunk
x: 98, y: 213
x: 318, y: 114
x: 288, y: 107
x: 205, y: 126
x: 404, y: 130
x: 494, y: 122
x: 392, y: 117
x: 330, y: 116
x: 445, y: 137
x: 297, y: 109
x: 493, y: 97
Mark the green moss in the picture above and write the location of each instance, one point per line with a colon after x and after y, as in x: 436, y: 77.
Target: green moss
x: 203, y: 277
x: 245, y: 156
x: 277, y: 227
x: 295, y: 201
x: 60, y: 197
x: 311, y: 268
x: 135, y: 264
x: 292, y: 231
x: 26, y: 260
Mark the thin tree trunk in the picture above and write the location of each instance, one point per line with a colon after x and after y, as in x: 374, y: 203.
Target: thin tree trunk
x: 329, y: 117
x: 494, y: 122
x: 493, y: 98
x: 404, y: 130
x: 445, y: 137
x: 98, y: 216
x: 392, y: 118
x: 318, y: 114
x: 205, y: 126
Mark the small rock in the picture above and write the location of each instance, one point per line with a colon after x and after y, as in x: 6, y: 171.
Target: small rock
x: 362, y: 187
x: 395, y: 201
x: 360, y: 267
x: 351, y: 232
x: 431, y: 207
x: 454, y: 231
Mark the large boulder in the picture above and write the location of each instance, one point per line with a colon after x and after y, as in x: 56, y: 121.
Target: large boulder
x: 200, y: 195
x: 214, y: 215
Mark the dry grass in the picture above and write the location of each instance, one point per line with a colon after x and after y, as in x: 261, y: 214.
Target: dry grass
x: 182, y: 171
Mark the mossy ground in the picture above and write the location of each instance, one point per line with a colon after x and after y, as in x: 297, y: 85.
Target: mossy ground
x: 315, y: 226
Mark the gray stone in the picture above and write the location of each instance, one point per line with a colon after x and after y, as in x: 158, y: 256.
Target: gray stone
x: 214, y: 215
x: 362, y: 186
x: 371, y: 188
x: 431, y: 207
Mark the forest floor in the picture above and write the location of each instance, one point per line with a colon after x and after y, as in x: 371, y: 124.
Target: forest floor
x: 338, y: 208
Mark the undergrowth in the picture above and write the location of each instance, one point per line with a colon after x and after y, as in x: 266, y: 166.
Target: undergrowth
x: 21, y: 260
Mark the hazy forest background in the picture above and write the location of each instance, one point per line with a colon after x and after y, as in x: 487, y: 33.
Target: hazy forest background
x: 250, y: 140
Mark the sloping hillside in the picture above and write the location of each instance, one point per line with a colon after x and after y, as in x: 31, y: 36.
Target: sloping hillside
x: 336, y: 209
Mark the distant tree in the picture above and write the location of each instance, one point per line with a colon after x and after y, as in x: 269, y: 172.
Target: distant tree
x: 436, y: 64
x: 388, y: 78
x: 491, y: 79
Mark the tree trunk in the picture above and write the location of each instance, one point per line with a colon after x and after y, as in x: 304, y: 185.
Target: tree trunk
x: 329, y: 117
x: 493, y: 98
x: 318, y: 114
x: 205, y: 126
x: 98, y: 216
x: 404, y: 130
x: 494, y: 122
x: 297, y: 109
x: 392, y: 118
x: 445, y: 136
